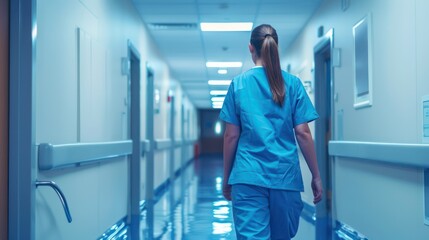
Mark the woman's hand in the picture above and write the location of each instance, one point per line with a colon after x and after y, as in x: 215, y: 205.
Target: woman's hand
x: 316, y: 186
x: 226, y: 191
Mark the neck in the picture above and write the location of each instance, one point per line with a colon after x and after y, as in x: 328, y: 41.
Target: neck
x: 259, y: 62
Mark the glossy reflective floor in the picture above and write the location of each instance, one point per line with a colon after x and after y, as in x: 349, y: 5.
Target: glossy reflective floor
x: 193, y: 206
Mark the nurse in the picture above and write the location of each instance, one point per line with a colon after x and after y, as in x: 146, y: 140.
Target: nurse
x: 265, y: 109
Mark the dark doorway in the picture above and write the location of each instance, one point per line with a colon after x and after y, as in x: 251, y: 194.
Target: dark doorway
x: 211, y: 132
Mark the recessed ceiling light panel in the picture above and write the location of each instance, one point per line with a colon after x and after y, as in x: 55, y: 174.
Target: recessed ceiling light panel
x: 222, y: 71
x: 218, y: 99
x: 219, y: 82
x: 218, y: 92
x: 224, y: 64
x: 226, y: 26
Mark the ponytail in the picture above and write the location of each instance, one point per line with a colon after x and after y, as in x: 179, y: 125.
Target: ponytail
x: 264, y: 39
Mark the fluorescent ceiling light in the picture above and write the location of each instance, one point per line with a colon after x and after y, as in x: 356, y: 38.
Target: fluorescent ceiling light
x: 218, y: 99
x: 217, y: 107
x: 226, y: 26
x: 222, y: 71
x: 219, y: 82
x: 223, y: 64
x: 218, y: 92
x: 217, y: 104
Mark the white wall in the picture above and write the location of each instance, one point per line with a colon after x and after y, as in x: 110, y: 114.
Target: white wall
x: 381, y: 201
x: 81, y: 97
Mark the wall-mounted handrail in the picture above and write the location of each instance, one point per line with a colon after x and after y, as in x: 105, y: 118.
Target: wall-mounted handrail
x: 414, y: 155
x: 145, y: 145
x: 190, y: 141
x: 52, y: 156
x: 161, y: 144
x: 178, y: 142
x: 60, y: 194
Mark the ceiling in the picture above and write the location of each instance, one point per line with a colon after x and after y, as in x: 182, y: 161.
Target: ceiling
x: 174, y: 26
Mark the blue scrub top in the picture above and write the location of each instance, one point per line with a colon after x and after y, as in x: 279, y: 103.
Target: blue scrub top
x: 266, y: 153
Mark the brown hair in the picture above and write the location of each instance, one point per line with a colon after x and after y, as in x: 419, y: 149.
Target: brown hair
x: 265, y: 41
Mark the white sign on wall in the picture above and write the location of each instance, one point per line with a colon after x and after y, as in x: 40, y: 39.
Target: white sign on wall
x: 425, y: 104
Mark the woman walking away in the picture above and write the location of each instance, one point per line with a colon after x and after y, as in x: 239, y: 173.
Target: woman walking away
x: 265, y: 109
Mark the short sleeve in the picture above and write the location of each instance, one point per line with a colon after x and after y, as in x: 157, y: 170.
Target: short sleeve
x: 228, y: 112
x: 304, y: 111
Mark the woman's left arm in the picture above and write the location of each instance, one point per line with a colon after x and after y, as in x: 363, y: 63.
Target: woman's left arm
x: 230, y: 141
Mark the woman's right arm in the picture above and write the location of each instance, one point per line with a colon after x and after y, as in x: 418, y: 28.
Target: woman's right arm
x: 306, y: 143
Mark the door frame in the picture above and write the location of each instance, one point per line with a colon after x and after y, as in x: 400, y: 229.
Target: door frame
x: 324, y: 210
x: 150, y: 167
x: 134, y: 84
x: 22, y: 147
x: 4, y: 111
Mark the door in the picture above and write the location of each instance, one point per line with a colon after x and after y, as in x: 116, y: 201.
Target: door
x: 323, y: 130
x: 4, y: 80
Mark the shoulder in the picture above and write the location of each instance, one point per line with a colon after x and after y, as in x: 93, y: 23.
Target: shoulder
x: 290, y: 78
x: 291, y: 81
x: 243, y: 79
x: 245, y: 75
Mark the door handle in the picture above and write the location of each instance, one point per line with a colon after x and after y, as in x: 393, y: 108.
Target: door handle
x: 60, y: 194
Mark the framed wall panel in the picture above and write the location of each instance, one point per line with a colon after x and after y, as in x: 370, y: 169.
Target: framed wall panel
x: 363, y: 62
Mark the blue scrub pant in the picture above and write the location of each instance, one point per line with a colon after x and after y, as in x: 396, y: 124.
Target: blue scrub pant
x: 264, y: 213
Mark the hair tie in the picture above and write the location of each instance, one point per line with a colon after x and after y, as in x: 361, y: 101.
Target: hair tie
x: 267, y: 35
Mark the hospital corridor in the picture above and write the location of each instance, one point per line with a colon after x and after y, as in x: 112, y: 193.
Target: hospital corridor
x: 114, y: 119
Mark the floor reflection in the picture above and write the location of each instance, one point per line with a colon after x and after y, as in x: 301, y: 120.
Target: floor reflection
x: 193, y: 206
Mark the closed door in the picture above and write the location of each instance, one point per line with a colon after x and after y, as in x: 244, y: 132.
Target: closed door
x: 4, y: 79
